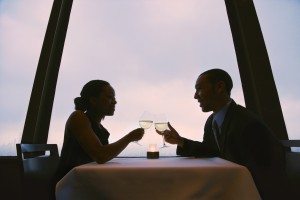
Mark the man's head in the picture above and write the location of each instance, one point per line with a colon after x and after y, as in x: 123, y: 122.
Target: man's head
x: 213, y: 89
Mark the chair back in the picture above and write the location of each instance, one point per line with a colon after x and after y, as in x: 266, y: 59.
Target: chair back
x: 292, y: 165
x: 38, y: 168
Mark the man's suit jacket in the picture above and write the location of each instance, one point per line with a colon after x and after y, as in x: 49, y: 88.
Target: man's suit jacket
x: 245, y: 140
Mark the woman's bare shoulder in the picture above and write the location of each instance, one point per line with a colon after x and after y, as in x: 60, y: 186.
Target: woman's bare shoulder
x: 77, y: 113
x: 77, y: 117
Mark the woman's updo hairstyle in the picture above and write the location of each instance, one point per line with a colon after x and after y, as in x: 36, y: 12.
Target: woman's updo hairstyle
x: 91, y: 89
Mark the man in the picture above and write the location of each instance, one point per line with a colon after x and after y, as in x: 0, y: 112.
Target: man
x: 235, y: 134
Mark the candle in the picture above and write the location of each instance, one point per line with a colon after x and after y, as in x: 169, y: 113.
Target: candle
x: 152, y: 152
x: 152, y: 148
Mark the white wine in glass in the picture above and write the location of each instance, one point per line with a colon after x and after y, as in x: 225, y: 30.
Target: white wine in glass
x: 145, y: 122
x: 161, y: 124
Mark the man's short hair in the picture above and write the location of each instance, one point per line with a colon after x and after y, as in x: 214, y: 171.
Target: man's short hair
x: 216, y: 75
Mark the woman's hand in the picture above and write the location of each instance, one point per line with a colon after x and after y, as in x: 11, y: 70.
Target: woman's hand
x: 136, y: 134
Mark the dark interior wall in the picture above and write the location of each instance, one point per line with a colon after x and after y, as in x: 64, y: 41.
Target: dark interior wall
x: 10, y: 178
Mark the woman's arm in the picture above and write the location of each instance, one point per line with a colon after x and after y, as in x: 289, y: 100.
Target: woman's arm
x: 79, y: 125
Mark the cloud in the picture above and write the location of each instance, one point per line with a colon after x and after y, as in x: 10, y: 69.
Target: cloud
x: 129, y: 39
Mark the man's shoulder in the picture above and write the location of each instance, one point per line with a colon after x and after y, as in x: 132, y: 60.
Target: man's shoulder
x: 242, y: 110
x: 210, y: 118
x: 244, y: 114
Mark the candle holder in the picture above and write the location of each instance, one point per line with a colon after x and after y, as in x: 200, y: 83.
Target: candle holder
x: 152, y: 152
x: 152, y: 155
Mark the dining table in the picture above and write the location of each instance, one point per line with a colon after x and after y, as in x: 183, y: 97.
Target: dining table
x: 177, y: 178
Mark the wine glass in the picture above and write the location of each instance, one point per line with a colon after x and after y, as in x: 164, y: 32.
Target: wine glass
x: 161, y: 124
x: 145, y: 122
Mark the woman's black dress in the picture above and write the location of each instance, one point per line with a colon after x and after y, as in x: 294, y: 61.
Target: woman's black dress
x: 72, y: 154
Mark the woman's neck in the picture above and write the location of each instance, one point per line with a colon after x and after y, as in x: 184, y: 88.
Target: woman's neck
x: 94, y: 116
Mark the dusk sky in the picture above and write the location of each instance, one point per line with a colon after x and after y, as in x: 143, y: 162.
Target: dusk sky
x: 151, y: 51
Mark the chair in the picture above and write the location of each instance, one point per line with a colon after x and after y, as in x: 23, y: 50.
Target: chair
x: 37, y: 169
x: 292, y: 165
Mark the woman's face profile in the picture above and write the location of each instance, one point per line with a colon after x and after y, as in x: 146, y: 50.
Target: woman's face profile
x: 105, y: 103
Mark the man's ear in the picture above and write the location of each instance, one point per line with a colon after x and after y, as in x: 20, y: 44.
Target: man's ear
x: 220, y: 87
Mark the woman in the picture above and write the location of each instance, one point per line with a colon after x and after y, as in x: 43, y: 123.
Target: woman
x: 86, y: 140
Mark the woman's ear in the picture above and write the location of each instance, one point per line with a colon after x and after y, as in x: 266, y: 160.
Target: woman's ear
x: 92, y: 101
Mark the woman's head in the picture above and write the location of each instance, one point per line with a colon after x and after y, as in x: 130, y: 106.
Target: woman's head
x: 97, y: 96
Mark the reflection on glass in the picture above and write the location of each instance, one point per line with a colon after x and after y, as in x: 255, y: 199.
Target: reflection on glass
x: 22, y: 30
x: 279, y: 21
x: 152, y: 53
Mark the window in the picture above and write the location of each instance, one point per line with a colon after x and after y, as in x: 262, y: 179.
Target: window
x: 151, y: 52
x: 22, y: 29
x: 279, y: 22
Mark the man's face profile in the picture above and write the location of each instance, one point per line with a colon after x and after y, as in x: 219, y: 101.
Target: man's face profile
x: 205, y: 93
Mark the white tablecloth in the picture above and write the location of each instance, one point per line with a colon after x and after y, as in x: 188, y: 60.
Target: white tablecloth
x: 163, y: 178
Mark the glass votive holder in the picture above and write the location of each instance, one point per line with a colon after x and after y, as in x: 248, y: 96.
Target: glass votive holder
x: 152, y: 152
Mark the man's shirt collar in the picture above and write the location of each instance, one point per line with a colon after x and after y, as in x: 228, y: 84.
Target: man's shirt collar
x: 220, y: 115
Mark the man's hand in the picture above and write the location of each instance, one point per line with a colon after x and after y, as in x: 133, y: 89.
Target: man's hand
x: 172, y: 136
